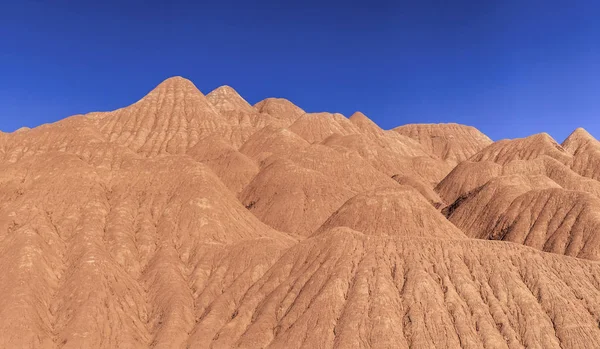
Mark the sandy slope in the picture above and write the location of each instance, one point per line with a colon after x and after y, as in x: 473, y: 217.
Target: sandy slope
x: 193, y: 221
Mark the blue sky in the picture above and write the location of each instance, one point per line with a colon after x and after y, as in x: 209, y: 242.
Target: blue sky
x: 510, y: 68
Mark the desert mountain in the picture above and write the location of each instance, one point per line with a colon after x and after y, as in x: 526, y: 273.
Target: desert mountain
x: 529, y: 148
x: 234, y: 168
x: 281, y: 109
x: 394, y: 211
x: 365, y: 124
x: 586, y: 153
x: 170, y: 119
x: 315, y: 127
x: 226, y: 100
x: 193, y: 221
x: 451, y: 142
x: 425, y: 190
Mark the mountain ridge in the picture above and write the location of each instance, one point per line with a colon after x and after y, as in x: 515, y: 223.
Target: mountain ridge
x: 187, y: 220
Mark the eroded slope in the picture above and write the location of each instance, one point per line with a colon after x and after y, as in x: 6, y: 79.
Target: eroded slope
x: 192, y: 221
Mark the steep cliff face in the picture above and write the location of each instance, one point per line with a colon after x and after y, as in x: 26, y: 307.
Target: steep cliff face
x: 192, y: 221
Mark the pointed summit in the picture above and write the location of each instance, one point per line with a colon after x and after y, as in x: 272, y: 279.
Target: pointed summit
x: 182, y: 90
x: 544, y: 139
x: 152, y: 125
x: 358, y: 116
x: 577, y: 139
x: 364, y: 123
x: 226, y: 99
x: 586, y: 153
x: 582, y: 131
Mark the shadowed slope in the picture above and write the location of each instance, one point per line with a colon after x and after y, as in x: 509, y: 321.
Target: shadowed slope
x: 533, y: 211
x: 472, y: 210
x: 553, y: 220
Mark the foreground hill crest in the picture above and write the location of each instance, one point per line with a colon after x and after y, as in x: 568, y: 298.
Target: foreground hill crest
x: 187, y: 220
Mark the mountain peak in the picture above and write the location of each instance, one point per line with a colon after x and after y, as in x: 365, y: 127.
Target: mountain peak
x: 363, y: 122
x: 224, y: 90
x: 173, y: 84
x: 579, y: 134
x: 226, y: 99
x: 577, y: 139
x: 176, y: 81
x: 184, y: 226
x: 545, y: 139
x: 358, y: 115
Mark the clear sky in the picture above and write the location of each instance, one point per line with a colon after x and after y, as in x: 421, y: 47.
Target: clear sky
x: 510, y: 68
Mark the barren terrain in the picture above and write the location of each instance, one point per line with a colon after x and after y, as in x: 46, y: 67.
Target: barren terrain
x: 201, y: 221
